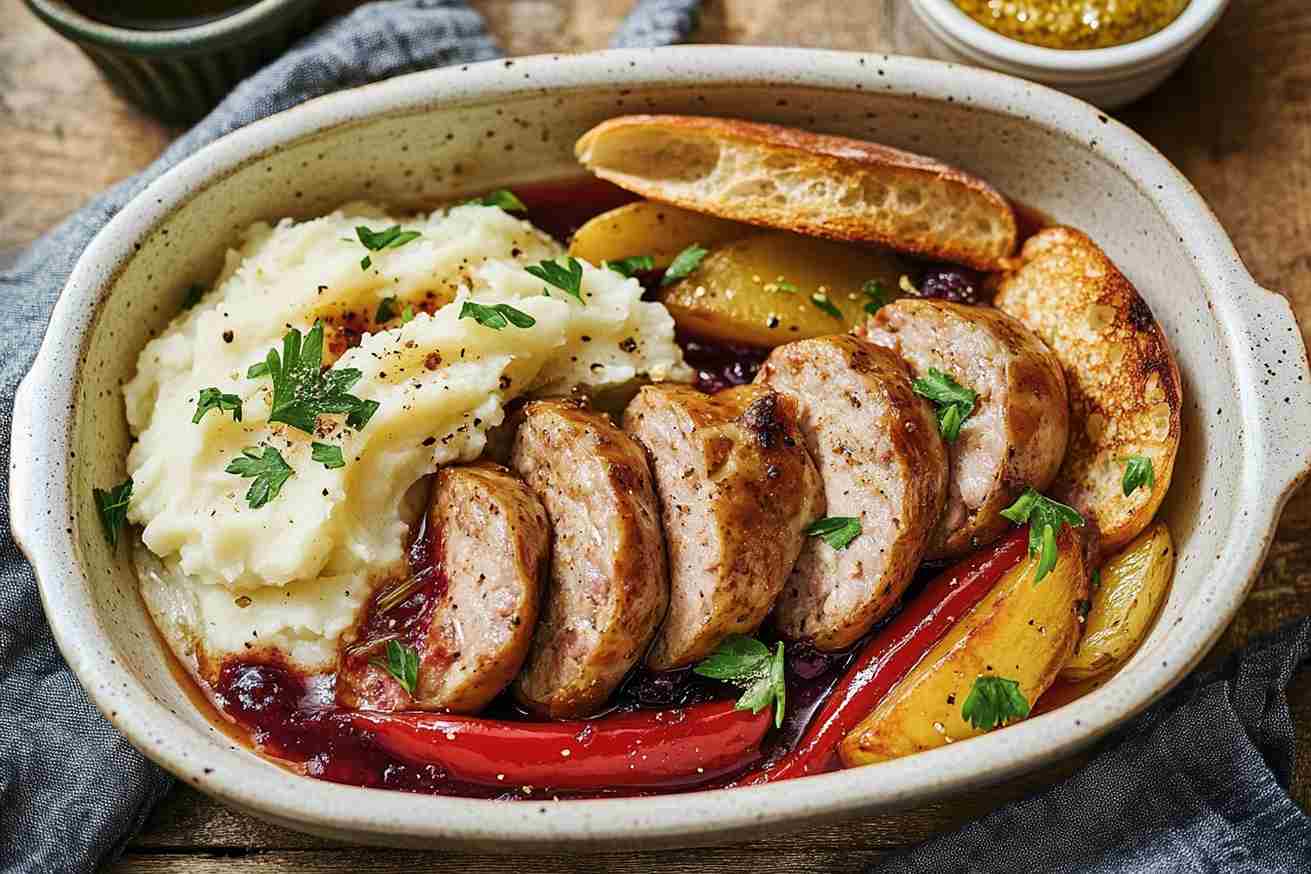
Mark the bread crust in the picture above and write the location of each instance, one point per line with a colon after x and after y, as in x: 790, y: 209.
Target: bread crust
x: 976, y: 225
x: 1125, y: 394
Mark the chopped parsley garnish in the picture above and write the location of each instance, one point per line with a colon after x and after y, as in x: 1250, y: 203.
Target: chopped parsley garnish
x: 877, y: 294
x: 194, y: 293
x: 837, y: 531
x: 213, y: 399
x: 684, y: 263
x: 1045, y: 518
x: 375, y: 241
x: 503, y: 198
x: 994, y: 701
x: 402, y: 663
x: 632, y: 265
x: 569, y: 279
x: 955, y: 402
x: 303, y: 390
x: 407, y: 315
x: 782, y: 286
x: 327, y: 455
x: 496, y: 316
x: 1138, y: 471
x: 747, y: 663
x: 269, y: 470
x: 111, y: 506
x: 386, y: 310
x: 822, y: 302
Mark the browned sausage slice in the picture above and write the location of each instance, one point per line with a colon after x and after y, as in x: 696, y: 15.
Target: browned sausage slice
x: 471, y: 616
x: 877, y: 447
x: 609, y: 587
x: 736, y: 489
x: 1016, y: 435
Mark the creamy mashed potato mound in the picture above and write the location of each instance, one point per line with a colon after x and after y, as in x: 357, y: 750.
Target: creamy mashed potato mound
x: 221, y: 577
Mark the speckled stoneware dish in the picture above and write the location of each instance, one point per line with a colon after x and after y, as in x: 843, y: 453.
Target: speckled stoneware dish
x: 425, y: 137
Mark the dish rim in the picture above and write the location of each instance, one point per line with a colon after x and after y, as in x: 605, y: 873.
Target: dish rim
x: 43, y: 418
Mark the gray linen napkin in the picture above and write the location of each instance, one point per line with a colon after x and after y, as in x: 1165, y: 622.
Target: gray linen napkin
x: 72, y: 790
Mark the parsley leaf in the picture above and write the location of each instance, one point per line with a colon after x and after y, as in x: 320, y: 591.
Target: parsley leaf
x: 194, y: 293
x: 111, y: 506
x: 407, y: 315
x: 837, y: 531
x: 1138, y: 471
x: 746, y: 663
x: 327, y: 455
x: 822, y: 302
x: 631, y: 265
x: 213, y: 399
x: 386, y: 310
x: 1045, y: 518
x: 782, y: 286
x: 877, y: 294
x: 569, y: 279
x: 504, y: 198
x: 302, y: 389
x: 994, y: 701
x: 496, y: 316
x: 402, y: 663
x: 360, y: 416
x: 270, y: 472
x: 955, y: 402
x: 684, y: 263
x: 375, y: 241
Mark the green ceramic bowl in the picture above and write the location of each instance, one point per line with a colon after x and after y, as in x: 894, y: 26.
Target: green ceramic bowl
x: 180, y: 74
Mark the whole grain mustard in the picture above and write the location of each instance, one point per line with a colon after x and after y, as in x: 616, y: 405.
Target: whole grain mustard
x: 1074, y: 24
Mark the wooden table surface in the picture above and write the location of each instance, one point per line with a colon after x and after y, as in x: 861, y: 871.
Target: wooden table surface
x: 1236, y: 120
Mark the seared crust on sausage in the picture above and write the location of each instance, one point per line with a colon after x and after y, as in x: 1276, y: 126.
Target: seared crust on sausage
x: 736, y: 489
x: 609, y: 586
x: 818, y: 184
x: 1125, y: 394
x: 877, y: 447
x: 472, y: 624
x: 1016, y: 435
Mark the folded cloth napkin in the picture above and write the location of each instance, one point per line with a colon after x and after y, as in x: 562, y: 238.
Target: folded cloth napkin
x: 1196, y: 784
x: 72, y: 791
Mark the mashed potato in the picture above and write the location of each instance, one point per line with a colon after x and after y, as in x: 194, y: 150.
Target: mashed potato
x: 292, y: 574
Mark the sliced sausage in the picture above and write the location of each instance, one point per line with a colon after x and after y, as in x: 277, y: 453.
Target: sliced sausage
x: 1016, y: 435
x: 877, y: 447
x: 470, y: 614
x: 736, y: 490
x: 608, y: 587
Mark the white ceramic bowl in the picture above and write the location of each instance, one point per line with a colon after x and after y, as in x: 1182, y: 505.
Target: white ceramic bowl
x: 432, y: 135
x: 1108, y: 77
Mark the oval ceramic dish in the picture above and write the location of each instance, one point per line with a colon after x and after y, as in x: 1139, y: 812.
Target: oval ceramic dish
x: 421, y: 138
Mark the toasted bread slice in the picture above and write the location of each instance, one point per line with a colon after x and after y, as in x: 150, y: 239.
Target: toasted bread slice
x: 816, y: 184
x: 1125, y: 395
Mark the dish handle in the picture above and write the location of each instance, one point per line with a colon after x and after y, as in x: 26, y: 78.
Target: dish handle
x: 1283, y: 392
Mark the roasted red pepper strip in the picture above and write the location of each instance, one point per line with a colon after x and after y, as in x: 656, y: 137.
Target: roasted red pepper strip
x: 892, y: 652
x: 641, y: 749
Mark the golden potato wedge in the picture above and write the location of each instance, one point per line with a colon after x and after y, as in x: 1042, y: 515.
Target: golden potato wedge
x: 762, y: 290
x: 1134, y: 584
x: 1020, y: 630
x: 810, y: 183
x: 1125, y: 394
x: 650, y: 228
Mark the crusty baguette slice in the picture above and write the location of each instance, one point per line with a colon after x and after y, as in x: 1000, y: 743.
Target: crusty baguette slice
x: 827, y: 186
x: 1125, y: 395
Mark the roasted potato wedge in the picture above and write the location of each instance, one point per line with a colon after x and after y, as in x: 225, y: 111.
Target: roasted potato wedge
x: 1020, y: 630
x: 650, y: 228
x: 1134, y: 584
x: 1125, y: 394
x: 775, y: 287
